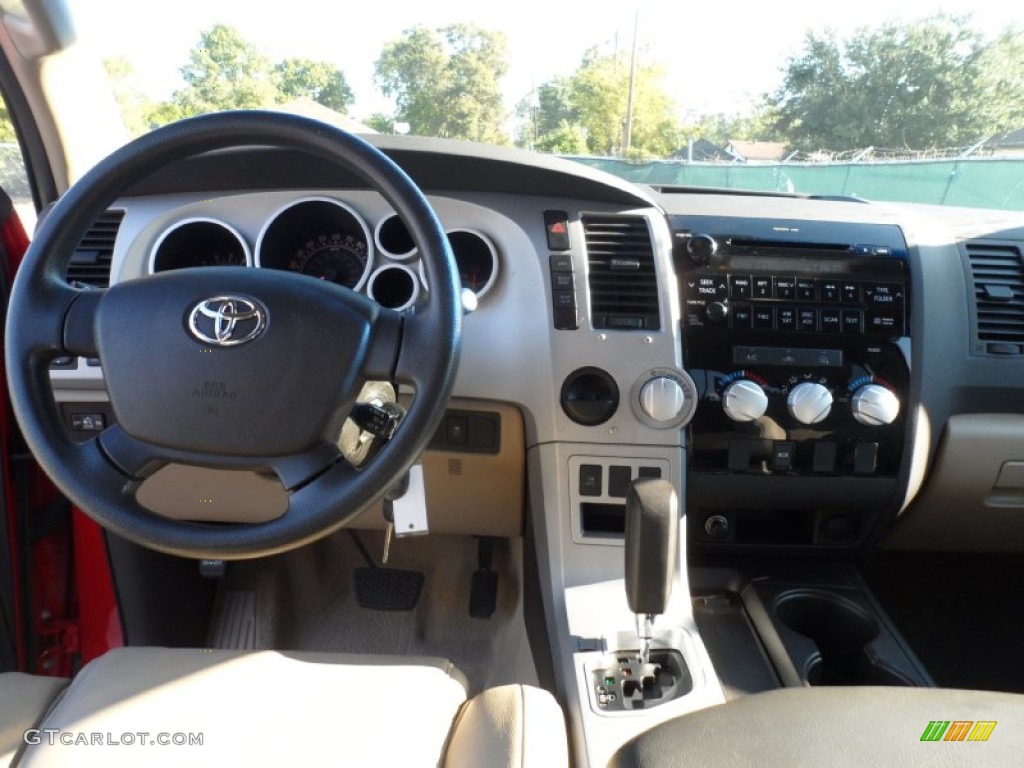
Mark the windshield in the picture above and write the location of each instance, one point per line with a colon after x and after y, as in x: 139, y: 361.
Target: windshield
x: 910, y: 102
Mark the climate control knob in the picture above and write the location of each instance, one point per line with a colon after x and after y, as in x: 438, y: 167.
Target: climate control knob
x: 875, y: 406
x: 809, y: 402
x: 744, y: 400
x: 662, y: 398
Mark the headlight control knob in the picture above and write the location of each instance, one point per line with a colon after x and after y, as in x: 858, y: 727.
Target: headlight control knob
x: 809, y: 402
x: 874, y: 405
x: 744, y: 400
x: 662, y: 398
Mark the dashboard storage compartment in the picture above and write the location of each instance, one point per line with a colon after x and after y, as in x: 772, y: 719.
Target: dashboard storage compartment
x: 828, y: 636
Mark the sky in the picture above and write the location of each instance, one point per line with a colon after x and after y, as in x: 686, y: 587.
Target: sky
x: 719, y: 57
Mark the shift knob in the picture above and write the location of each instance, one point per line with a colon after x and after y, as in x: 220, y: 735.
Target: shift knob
x: 652, y: 540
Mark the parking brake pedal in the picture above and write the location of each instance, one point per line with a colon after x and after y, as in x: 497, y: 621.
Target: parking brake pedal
x: 483, y: 595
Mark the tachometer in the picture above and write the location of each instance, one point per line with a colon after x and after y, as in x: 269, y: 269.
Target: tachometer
x: 198, y: 242
x: 319, y: 237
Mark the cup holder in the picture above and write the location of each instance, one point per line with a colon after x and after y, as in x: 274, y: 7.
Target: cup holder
x: 842, y: 632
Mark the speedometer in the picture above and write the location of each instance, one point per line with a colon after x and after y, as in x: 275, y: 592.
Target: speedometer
x: 319, y: 237
x: 337, y: 257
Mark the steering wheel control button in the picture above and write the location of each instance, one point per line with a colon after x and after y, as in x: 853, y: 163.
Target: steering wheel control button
x: 589, y: 396
x: 88, y: 422
x: 227, y: 321
x: 591, y: 479
x: 809, y: 402
x: 64, y: 361
x: 783, y: 455
x: 556, y: 227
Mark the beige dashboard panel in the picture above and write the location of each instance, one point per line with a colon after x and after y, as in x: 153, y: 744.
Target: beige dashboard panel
x: 973, y: 499
x: 468, y: 493
x: 474, y: 493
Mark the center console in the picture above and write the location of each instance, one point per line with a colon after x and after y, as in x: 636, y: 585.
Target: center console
x: 797, y: 336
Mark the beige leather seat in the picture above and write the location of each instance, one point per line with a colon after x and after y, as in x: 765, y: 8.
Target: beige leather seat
x: 24, y: 699
x: 153, y: 707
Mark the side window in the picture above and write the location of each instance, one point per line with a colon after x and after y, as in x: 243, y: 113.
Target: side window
x: 13, y: 177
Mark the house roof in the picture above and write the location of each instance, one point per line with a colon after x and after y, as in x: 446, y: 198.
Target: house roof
x: 704, y: 151
x: 757, y: 150
x: 1014, y: 139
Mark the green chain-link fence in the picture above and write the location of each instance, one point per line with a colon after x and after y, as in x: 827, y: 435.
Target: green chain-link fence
x: 975, y: 183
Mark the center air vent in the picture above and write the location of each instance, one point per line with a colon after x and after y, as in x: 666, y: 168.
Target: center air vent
x: 622, y: 278
x: 90, y: 264
x: 997, y: 272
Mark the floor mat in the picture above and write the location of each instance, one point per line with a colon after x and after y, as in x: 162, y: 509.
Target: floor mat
x: 962, y: 614
x: 308, y: 601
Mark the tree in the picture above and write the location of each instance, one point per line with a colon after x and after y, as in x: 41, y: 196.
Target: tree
x: 592, y: 101
x: 928, y: 84
x: 318, y: 80
x: 445, y: 82
x: 225, y: 71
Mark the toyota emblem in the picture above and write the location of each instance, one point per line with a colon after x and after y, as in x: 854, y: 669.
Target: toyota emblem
x: 226, y: 321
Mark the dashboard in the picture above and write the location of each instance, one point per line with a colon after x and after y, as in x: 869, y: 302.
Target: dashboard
x: 818, y: 364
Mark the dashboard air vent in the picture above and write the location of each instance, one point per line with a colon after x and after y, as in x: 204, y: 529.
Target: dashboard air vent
x: 90, y: 264
x: 622, y: 278
x: 997, y: 274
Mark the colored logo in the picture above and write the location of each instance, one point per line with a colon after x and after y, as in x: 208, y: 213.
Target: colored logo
x: 958, y: 730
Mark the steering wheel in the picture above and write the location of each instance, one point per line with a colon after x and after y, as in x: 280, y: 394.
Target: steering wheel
x: 226, y: 367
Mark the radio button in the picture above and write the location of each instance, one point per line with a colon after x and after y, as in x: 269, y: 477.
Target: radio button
x: 711, y: 288
x: 785, y: 288
x: 883, y: 294
x: 850, y: 293
x: 831, y: 321
x: 740, y: 286
x: 829, y: 290
x: 741, y: 316
x: 764, y: 318
x: 852, y: 321
x: 807, y: 320
x: 806, y: 290
x: 884, y: 321
x: 762, y: 288
x: 787, y: 318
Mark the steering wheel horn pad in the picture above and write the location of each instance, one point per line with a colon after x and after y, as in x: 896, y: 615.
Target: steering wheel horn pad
x: 281, y: 392
x: 226, y: 366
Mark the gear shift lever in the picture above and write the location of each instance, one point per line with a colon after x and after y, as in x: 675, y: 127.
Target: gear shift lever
x: 652, y: 539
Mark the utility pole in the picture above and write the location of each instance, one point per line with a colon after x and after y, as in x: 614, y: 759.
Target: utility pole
x: 628, y: 139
